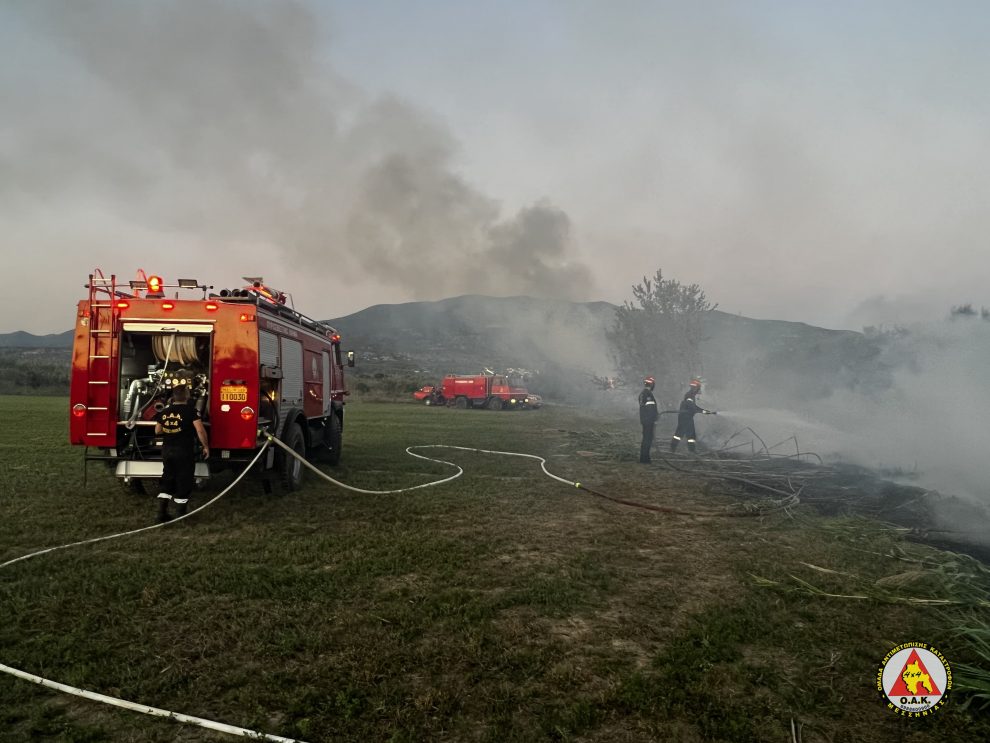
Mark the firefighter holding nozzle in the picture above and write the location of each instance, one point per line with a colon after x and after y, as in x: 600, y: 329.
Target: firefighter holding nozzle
x: 685, y: 417
x: 179, y: 424
x: 648, y: 418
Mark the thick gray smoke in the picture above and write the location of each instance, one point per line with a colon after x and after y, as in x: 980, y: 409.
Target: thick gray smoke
x: 414, y: 218
x: 915, y: 404
x: 222, y: 119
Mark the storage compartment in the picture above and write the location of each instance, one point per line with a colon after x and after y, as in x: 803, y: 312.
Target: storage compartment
x: 152, y: 363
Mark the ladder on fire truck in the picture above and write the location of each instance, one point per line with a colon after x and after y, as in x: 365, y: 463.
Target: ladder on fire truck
x: 101, y: 348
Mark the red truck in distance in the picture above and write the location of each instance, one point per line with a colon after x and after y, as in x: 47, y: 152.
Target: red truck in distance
x: 490, y: 391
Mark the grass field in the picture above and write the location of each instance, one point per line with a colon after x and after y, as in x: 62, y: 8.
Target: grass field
x: 501, y: 607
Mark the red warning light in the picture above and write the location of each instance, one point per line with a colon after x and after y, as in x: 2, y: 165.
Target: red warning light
x: 154, y: 284
x: 168, y: 305
x: 212, y: 306
x: 245, y: 317
x: 122, y: 305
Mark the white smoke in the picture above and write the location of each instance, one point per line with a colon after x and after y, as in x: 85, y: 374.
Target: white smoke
x: 923, y: 414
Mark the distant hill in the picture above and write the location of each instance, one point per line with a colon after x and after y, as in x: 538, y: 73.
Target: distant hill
x: 565, y: 341
x: 20, y: 339
x: 465, y: 334
x: 563, y: 344
x: 767, y: 359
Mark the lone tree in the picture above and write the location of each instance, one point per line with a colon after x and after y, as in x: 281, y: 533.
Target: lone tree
x: 659, y: 334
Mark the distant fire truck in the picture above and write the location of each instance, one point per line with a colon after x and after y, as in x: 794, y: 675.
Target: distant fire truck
x: 491, y: 391
x: 250, y: 361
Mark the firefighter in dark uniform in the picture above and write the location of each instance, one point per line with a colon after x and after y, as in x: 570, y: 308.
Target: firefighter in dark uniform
x: 685, y: 417
x: 179, y: 425
x: 648, y: 418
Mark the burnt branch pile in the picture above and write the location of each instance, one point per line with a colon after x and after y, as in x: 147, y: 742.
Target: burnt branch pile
x: 744, y: 465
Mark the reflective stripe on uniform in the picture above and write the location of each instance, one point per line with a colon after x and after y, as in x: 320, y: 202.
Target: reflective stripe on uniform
x: 676, y: 437
x: 166, y: 496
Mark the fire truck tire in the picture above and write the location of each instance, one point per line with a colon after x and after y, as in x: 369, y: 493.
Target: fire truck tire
x: 428, y: 400
x: 461, y: 403
x: 495, y: 403
x: 334, y: 439
x: 290, y: 469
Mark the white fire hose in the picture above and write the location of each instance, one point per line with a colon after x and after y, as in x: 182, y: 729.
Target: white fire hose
x: 143, y: 708
x: 211, y: 724
x: 410, y: 452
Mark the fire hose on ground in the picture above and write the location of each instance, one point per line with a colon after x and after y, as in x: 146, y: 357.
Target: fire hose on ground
x: 134, y: 706
x: 789, y: 500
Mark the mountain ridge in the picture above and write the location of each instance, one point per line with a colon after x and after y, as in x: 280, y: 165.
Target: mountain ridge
x: 25, y: 339
x: 565, y: 343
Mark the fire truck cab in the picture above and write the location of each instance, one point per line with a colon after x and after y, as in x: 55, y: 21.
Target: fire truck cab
x: 250, y: 361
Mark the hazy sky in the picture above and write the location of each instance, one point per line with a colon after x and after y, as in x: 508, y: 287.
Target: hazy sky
x: 821, y: 162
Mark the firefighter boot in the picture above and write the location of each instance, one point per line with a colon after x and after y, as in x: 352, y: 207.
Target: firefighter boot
x: 690, y: 444
x: 163, y: 514
x: 181, y: 508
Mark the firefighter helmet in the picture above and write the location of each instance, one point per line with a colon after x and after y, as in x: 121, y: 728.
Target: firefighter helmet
x: 650, y: 382
x: 695, y: 384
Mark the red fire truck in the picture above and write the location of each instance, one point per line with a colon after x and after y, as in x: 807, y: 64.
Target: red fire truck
x: 492, y: 391
x: 250, y: 361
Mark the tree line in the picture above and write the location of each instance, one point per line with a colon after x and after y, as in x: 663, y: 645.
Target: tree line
x: 35, y: 371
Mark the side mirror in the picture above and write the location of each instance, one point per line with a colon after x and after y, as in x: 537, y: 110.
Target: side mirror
x: 350, y: 358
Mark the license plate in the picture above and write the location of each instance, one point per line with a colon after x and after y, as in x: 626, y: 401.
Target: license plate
x: 233, y: 393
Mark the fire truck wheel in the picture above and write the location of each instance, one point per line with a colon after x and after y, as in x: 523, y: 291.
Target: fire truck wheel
x: 334, y: 438
x: 290, y: 469
x: 428, y: 401
x: 495, y: 403
x: 461, y: 403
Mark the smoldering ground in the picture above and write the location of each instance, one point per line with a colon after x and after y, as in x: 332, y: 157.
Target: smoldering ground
x: 223, y: 123
x: 908, y: 402
x: 915, y: 412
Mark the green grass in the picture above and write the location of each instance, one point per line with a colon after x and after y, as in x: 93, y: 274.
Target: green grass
x: 501, y: 607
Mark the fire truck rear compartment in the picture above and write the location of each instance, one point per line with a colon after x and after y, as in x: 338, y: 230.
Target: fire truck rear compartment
x: 152, y: 364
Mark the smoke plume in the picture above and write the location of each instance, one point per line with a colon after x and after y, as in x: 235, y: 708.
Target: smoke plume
x: 223, y: 121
